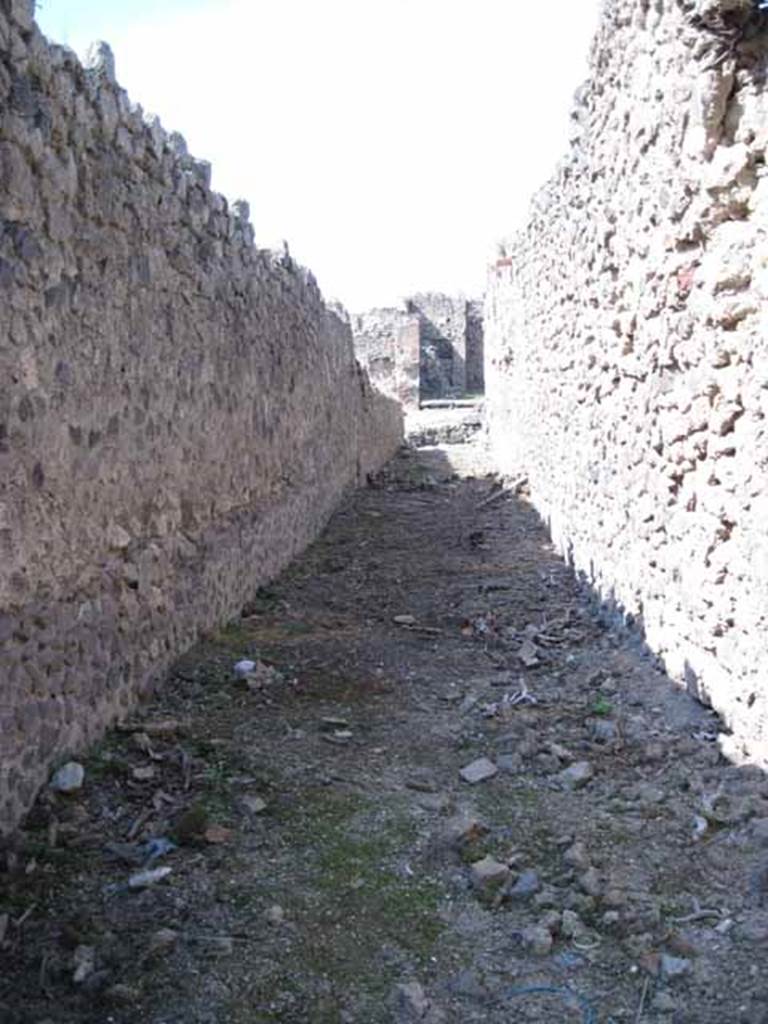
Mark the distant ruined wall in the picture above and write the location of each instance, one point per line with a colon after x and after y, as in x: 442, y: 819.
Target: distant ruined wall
x: 387, y: 344
x: 628, y: 344
x: 442, y: 333
x: 179, y: 411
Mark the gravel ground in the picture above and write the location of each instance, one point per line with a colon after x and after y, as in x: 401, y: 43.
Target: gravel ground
x: 447, y: 791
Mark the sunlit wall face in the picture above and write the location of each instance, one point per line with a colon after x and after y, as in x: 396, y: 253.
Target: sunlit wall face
x: 391, y: 142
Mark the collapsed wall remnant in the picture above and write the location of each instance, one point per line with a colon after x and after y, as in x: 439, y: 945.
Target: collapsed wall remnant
x: 628, y: 344
x: 432, y: 348
x: 179, y: 411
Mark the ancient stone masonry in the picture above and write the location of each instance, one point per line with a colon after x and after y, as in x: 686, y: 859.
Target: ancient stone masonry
x: 432, y: 348
x: 628, y: 344
x: 179, y: 411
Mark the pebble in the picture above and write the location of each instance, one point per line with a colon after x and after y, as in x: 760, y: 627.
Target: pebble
x: 590, y: 882
x: 244, y: 668
x: 422, y: 782
x: 404, y: 620
x: 69, y: 778
x: 254, y: 804
x: 488, y: 873
x: 411, y: 1000
x: 123, y: 995
x: 571, y: 924
x: 84, y: 962
x: 478, y: 771
x: 144, y: 879
x: 663, y: 1003
x: 754, y: 928
x: 672, y: 967
x: 538, y: 939
x: 576, y: 775
x: 604, y: 730
x: 576, y: 856
x: 275, y: 915
x: 526, y: 886
x: 162, y: 940
x: 511, y: 763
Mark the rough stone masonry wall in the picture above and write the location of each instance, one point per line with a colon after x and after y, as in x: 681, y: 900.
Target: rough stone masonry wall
x: 432, y: 348
x: 179, y: 411
x: 387, y: 343
x: 628, y: 364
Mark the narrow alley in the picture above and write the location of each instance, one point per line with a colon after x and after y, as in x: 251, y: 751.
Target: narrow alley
x: 443, y: 791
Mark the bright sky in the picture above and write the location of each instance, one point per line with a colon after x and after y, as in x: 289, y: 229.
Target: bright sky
x: 391, y: 142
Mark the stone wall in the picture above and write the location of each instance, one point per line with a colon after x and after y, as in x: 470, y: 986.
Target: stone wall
x: 628, y: 344
x: 387, y: 343
x: 448, y: 333
x: 179, y: 411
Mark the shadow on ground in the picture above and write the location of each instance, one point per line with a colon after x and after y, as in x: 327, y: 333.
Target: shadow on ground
x: 331, y: 865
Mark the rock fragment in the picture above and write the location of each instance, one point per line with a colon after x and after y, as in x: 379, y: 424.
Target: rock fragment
x: 488, y: 874
x: 69, y: 778
x: 478, y: 771
x: 577, y: 775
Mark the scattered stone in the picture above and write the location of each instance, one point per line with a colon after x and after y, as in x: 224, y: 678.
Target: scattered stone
x: 560, y: 752
x: 142, y: 741
x: 529, y: 653
x: 421, y: 782
x: 511, y: 763
x: 404, y: 620
x: 576, y: 857
x: 590, y: 883
x: 663, y: 1002
x: 4, y: 922
x: 478, y: 771
x: 411, y: 1001
x: 604, y: 730
x: 254, y: 804
x: 275, y: 915
x: 122, y: 995
x: 464, y: 830
x: 437, y: 802
x: 144, y: 773
x: 216, y: 834
x: 580, y: 902
x: 526, y: 886
x: 84, y: 962
x: 145, y: 879
x: 551, y: 921
x: 69, y: 778
x: 164, y: 727
x: 162, y: 940
x: 571, y: 925
x: 672, y: 967
x: 649, y: 794
x: 754, y: 927
x: 577, y: 775
x: 244, y: 668
x: 330, y: 723
x: 488, y: 874
x: 224, y: 944
x: 538, y: 939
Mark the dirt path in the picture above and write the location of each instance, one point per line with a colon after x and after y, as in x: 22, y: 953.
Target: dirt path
x: 331, y: 865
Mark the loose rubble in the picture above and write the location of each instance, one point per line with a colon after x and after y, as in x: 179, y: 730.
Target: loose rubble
x: 388, y: 838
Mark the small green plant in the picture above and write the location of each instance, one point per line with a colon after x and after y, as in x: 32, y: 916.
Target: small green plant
x: 602, y: 707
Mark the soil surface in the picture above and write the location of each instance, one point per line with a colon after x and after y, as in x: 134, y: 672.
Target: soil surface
x: 330, y: 864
